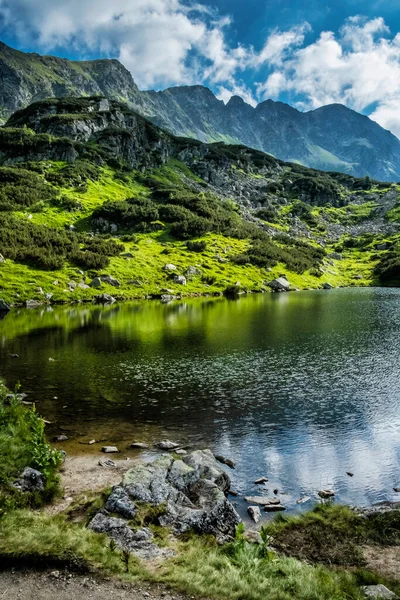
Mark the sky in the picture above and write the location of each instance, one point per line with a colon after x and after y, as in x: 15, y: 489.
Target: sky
x: 307, y: 53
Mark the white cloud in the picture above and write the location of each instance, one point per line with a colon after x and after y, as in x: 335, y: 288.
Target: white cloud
x: 167, y: 42
x: 359, y: 67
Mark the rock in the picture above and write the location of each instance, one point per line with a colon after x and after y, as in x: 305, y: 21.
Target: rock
x: 119, y: 502
x: 169, y: 267
x: 378, y: 247
x: 72, y: 285
x: 378, y: 592
x: 96, y: 282
x: 327, y: 286
x: 274, y: 508
x: 326, y: 494
x: 191, y: 489
x: 303, y: 500
x: 254, y: 512
x: 48, y: 296
x: 280, y: 284
x: 335, y: 256
x: 191, y: 271
x: 2, y: 259
x: 181, y: 452
x: 32, y: 304
x: 127, y: 255
x: 252, y: 537
x: 83, y: 286
x: 180, y: 279
x: 60, y: 438
x: 105, y: 299
x: 396, y: 489
x: 109, y: 449
x: 261, y: 480
x: 4, y: 307
x: 263, y: 500
x: 30, y: 480
x: 107, y: 463
x: 225, y: 461
x: 349, y: 473
x: 358, y: 277
x: 166, y: 445
x: 139, y: 445
x: 110, y: 280
x: 276, y: 491
x: 138, y: 542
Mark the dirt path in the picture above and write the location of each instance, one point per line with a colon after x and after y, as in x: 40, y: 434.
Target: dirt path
x: 30, y: 585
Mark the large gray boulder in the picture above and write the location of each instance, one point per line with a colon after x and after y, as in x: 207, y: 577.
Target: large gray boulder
x: 280, y: 284
x: 192, y: 491
x: 30, y: 480
x: 378, y: 592
x: 119, y: 503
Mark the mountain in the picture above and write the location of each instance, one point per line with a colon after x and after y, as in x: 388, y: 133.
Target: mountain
x: 332, y: 138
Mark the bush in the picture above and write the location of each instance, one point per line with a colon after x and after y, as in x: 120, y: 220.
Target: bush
x: 74, y: 174
x: 194, y: 246
x: 20, y: 188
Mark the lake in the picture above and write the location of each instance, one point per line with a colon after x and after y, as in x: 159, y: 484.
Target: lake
x: 300, y: 387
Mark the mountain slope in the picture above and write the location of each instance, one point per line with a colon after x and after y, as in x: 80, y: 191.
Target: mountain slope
x: 330, y: 138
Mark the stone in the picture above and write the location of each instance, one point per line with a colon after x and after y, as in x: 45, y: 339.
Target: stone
x: 396, y: 489
x: 96, y: 282
x: 105, y: 299
x: 327, y: 286
x: 335, y: 256
x: 139, y: 445
x: 180, y: 279
x: 326, y: 494
x: 166, y: 445
x: 349, y: 473
x: 119, y: 502
x: 30, y: 480
x: 2, y: 259
x: 4, y: 307
x: 357, y: 276
x: 166, y: 298
x: 261, y: 480
x: 181, y: 452
x: 225, y: 461
x: 32, y: 304
x: 72, y: 285
x: 107, y: 463
x: 262, y: 500
x: 252, y: 537
x: 274, y: 508
x: 254, y: 512
x: 280, y: 284
x: 138, y: 542
x: 378, y: 592
x: 169, y: 267
x: 191, y: 489
x: 109, y: 449
x: 110, y: 280
x: 83, y: 286
x: 192, y: 271
x: 48, y: 296
x: 378, y: 247
x: 303, y: 500
x: 60, y: 438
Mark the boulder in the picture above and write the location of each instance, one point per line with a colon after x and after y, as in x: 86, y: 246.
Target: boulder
x: 378, y: 592
x: 166, y: 298
x: 139, y: 445
x: 263, y: 500
x: 273, y: 508
x: 191, y: 490
x: 4, y: 307
x: 326, y: 494
x: 96, y: 282
x: 180, y: 279
x: 377, y: 247
x: 105, y: 299
x: 30, y: 480
x: 280, y: 284
x: 119, y: 502
x: 60, y: 438
x: 169, y: 267
x: 327, y: 286
x: 138, y: 542
x: 2, y: 259
x: 255, y: 513
x: 261, y: 480
x: 225, y: 461
x: 110, y: 280
x: 335, y: 256
x: 192, y: 271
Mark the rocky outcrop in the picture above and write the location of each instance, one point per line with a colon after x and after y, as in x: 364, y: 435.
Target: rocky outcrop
x: 30, y: 481
x: 280, y: 284
x: 189, y: 491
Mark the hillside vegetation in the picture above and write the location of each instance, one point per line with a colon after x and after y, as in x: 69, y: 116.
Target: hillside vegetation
x: 90, y: 189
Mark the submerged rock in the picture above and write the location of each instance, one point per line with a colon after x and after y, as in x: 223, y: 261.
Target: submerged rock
x: 225, y: 461
x: 30, y: 480
x: 262, y: 500
x: 326, y: 494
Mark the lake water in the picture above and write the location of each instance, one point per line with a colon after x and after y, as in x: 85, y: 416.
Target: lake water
x: 299, y: 387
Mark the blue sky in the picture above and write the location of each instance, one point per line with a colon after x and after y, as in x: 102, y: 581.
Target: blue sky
x: 306, y: 53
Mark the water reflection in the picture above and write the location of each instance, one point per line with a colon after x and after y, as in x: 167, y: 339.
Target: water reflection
x: 299, y: 387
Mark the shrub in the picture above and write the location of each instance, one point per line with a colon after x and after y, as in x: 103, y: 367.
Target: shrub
x: 199, y: 246
x: 20, y: 188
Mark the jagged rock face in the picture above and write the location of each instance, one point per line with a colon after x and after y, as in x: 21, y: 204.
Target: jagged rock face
x: 332, y: 138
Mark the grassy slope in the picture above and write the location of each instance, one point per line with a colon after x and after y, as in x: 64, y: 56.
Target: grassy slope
x: 152, y: 251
